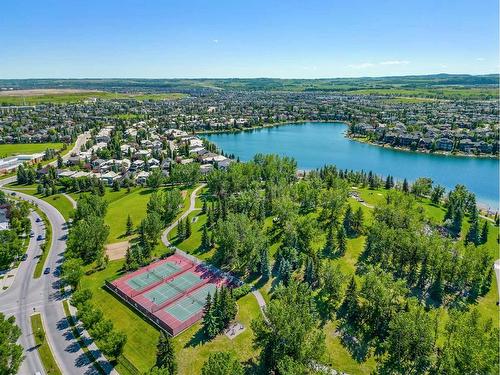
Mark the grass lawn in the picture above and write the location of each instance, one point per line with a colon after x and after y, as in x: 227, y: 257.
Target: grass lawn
x: 142, y: 337
x: 133, y: 203
x: 192, y: 351
x: 192, y: 245
x: 43, y: 347
x: 61, y: 203
x: 26, y: 148
x: 47, y: 244
x: 76, y: 97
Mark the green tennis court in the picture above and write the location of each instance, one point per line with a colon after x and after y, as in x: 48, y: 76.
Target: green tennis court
x: 170, y: 289
x: 152, y: 276
x: 192, y: 304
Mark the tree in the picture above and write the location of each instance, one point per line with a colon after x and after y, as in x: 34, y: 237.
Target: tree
x: 90, y: 205
x: 265, y: 271
x: 330, y: 245
x: 165, y: 355
x: 155, y: 179
x: 180, y: 230
x: 332, y: 281
x: 113, y: 343
x: 348, y: 220
x: 222, y: 363
x: 210, y: 321
x: 150, y: 230
x: 484, y: 232
x: 470, y: 345
x: 350, y: 303
x: 187, y: 228
x: 59, y: 161
x: 86, y: 239
x: 11, y: 353
x: 341, y: 240
x: 437, y: 194
x: 473, y: 235
x: 80, y: 297
x: 205, y: 238
x: 290, y: 330
x: 406, y: 187
x: 101, y: 329
x: 72, y: 271
x: 130, y: 226
x: 422, y: 187
x: 410, y: 343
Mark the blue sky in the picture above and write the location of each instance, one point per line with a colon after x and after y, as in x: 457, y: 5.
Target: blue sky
x: 218, y: 38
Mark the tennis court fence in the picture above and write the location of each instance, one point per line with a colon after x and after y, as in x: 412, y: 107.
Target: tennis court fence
x: 159, y: 282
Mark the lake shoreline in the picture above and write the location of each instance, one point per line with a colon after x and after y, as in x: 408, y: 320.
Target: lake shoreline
x: 347, y: 136
x: 313, y: 146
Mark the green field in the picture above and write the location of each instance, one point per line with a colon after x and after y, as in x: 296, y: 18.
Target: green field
x: 471, y: 93
x: 46, y: 356
x: 26, y: 148
x: 61, y: 203
x: 76, y: 97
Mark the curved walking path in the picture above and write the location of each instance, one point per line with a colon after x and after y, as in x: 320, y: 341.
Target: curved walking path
x: 70, y: 198
x: 192, y: 207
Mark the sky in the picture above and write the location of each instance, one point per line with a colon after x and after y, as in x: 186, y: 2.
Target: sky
x: 245, y: 39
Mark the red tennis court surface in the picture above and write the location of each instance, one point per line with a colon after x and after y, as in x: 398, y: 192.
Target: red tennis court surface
x: 171, y: 292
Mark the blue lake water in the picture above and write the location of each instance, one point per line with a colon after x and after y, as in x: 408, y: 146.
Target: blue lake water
x: 316, y: 144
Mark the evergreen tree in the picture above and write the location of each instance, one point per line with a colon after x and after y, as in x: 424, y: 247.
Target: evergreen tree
x: 406, y: 187
x: 357, y: 222
x: 210, y: 217
x: 210, y: 323
x: 310, y: 275
x: 484, y: 232
x: 264, y: 264
x: 473, y: 235
x: 437, y: 289
x: 204, y: 207
x: 330, y: 241
x: 130, y: 226
x: 165, y: 354
x: 205, y: 238
x: 187, y: 228
x: 349, y: 306
x: 341, y: 240
x: 180, y: 230
x: 387, y: 185
x: 348, y: 220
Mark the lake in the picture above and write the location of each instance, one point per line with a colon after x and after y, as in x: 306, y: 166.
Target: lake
x: 316, y: 144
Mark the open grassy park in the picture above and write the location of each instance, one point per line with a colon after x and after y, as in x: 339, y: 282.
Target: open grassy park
x: 49, y: 96
x: 190, y: 346
x: 26, y: 148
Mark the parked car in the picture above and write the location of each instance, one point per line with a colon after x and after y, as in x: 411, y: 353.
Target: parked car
x: 32, y: 234
x: 46, y: 271
x: 39, y: 238
x: 13, y: 194
x: 24, y: 257
x: 38, y: 220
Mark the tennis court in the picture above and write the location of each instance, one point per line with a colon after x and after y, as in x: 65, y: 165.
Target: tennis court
x: 192, y: 304
x: 153, y: 275
x: 171, y: 292
x: 172, y: 288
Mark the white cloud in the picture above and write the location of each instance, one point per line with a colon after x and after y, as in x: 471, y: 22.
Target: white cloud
x: 394, y: 62
x: 480, y: 59
x: 361, y: 66
x: 215, y: 40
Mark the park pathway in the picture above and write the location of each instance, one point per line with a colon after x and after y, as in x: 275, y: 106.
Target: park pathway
x: 70, y: 198
x: 192, y: 207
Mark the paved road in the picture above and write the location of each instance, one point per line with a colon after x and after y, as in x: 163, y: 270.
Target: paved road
x: 24, y: 296
x: 42, y: 295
